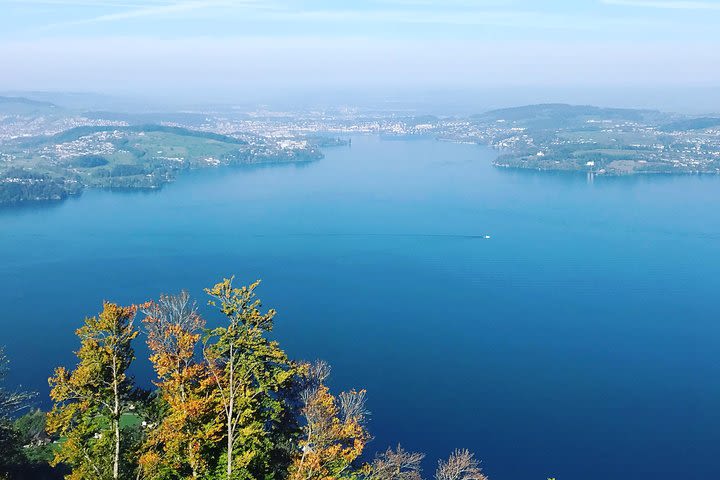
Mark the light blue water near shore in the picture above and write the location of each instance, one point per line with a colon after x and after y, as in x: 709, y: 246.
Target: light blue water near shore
x: 581, y: 341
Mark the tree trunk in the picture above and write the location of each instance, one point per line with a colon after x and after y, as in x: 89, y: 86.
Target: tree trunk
x: 192, y: 459
x: 116, y: 462
x: 229, y: 452
x: 116, y: 423
x: 231, y: 398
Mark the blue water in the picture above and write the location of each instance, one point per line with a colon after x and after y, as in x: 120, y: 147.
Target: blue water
x: 580, y: 342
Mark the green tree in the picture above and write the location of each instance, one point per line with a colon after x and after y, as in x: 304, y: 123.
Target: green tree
x: 32, y: 427
x: 252, y: 377
x: 11, y: 402
x: 38, y: 448
x: 91, y: 400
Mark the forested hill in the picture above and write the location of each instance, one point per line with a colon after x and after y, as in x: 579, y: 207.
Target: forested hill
x: 560, y: 114
x: 130, y: 156
x: 84, y: 131
x: 601, y: 141
x: 25, y: 106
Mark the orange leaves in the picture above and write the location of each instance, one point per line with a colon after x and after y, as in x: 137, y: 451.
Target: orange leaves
x: 177, y: 445
x: 150, y: 462
x: 173, y: 330
x: 334, y: 436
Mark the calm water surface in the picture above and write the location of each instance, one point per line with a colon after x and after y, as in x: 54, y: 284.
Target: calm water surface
x: 581, y: 341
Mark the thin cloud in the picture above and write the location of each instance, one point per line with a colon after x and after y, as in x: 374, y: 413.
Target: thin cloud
x: 478, y: 17
x: 679, y: 5
x: 446, y: 3
x: 387, y: 12
x: 152, y: 11
x: 88, y: 3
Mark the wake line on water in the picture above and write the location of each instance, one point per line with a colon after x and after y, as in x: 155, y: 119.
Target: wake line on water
x: 395, y: 235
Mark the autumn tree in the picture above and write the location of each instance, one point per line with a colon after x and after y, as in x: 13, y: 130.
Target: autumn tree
x: 333, y: 431
x: 251, y: 375
x: 397, y: 464
x: 462, y: 465
x: 91, y: 399
x: 181, y: 445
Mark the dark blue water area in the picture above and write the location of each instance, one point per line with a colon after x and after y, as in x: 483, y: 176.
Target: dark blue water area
x: 581, y: 341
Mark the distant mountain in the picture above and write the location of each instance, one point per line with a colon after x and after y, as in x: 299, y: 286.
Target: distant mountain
x: 185, y: 118
x: 78, y: 101
x: 557, y: 115
x: 25, y: 101
x: 25, y: 106
x: 692, y: 124
x: 77, y: 132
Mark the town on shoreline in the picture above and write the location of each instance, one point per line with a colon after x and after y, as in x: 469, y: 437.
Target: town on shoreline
x: 48, y: 152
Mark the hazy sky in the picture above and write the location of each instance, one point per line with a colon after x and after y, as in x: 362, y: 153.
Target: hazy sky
x: 187, y: 46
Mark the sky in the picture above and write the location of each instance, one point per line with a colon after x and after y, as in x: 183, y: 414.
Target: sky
x: 249, y: 47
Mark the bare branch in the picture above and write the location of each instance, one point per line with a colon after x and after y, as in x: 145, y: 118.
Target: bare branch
x: 397, y: 464
x: 11, y: 402
x: 352, y: 406
x: 316, y: 374
x: 462, y: 465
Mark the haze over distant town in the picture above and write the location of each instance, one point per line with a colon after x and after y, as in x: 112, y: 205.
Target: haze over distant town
x: 486, y: 54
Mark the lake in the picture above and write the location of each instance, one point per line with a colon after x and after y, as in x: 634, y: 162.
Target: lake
x: 581, y: 341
